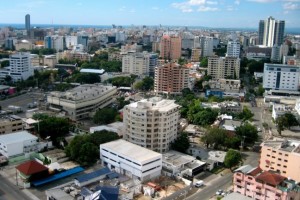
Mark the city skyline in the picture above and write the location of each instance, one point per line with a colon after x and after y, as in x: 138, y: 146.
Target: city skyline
x: 206, y: 13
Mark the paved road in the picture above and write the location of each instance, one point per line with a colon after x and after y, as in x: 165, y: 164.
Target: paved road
x: 8, y: 191
x: 208, y: 191
x: 22, y: 100
x: 223, y: 182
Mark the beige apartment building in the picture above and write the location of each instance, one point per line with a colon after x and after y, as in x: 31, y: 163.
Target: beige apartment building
x: 282, y: 157
x: 151, y: 123
x: 136, y: 63
x: 82, y: 101
x: 223, y: 67
x: 171, y: 78
x: 10, y: 124
x: 170, y: 47
x: 196, y: 54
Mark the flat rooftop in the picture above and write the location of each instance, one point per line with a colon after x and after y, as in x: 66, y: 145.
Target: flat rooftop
x: 130, y: 150
x: 82, y: 92
x: 155, y: 103
x: 176, y: 158
x: 283, y: 145
x: 16, y: 137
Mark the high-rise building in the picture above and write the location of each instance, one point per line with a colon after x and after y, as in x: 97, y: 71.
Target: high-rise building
x: 20, y: 67
x: 207, y: 45
x: 171, y: 78
x: 281, y: 77
x: 223, y: 67
x: 27, y: 23
x: 136, y: 63
x: 196, y: 54
x: 170, y: 47
x: 271, y: 32
x: 233, y: 48
x: 55, y: 42
x: 151, y: 123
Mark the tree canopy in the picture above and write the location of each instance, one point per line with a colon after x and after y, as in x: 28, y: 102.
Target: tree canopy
x: 53, y: 127
x: 182, y: 143
x: 248, y: 133
x: 232, y: 158
x: 145, y: 85
x: 84, y: 149
x: 105, y: 116
x: 285, y: 122
x: 246, y: 114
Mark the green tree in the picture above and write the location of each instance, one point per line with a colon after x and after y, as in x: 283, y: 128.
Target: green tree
x: 105, y: 116
x: 260, y: 91
x: 214, y: 137
x: 53, y: 127
x: 204, y: 62
x: 4, y: 63
x: 232, y: 158
x: 285, y: 122
x: 182, y: 143
x: 291, y: 120
x: 86, y: 78
x: 246, y: 114
x: 88, y: 154
x: 205, y: 117
x: 100, y: 137
x: 145, y: 85
x: 248, y: 133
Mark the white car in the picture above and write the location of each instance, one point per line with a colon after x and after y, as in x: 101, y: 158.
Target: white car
x: 199, y: 183
x: 220, y: 192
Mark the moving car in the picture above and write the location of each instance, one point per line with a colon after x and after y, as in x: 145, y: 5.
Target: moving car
x: 199, y: 183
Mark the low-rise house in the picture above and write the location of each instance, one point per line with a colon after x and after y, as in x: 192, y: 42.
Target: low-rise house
x: 176, y: 163
x: 230, y: 125
x: 255, y: 183
x: 30, y: 171
x: 280, y: 109
x: 10, y: 124
x: 131, y: 160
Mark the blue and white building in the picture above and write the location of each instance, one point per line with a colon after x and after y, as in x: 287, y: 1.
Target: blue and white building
x: 281, y: 77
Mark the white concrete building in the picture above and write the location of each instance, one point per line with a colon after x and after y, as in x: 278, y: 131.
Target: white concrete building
x: 18, y: 143
x: 136, y: 63
x: 281, y: 77
x: 54, y: 42
x: 175, y: 163
x: 233, y: 48
x: 280, y: 109
x: 151, y: 123
x: 223, y: 67
x: 71, y: 41
x: 20, y: 67
x: 82, y: 101
x: 131, y: 160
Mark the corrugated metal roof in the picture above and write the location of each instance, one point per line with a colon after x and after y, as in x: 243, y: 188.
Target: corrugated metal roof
x: 108, y: 192
x: 92, y: 175
x: 58, y: 176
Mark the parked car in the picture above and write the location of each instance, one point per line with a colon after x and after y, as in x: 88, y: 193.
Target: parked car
x: 199, y: 183
x: 220, y: 192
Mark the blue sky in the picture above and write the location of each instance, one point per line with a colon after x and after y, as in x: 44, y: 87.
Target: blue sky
x: 209, y: 13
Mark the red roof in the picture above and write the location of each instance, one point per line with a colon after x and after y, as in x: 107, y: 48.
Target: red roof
x: 31, y: 167
x: 255, y: 171
x: 270, y: 178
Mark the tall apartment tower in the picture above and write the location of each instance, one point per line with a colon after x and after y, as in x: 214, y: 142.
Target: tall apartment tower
x: 271, y: 32
x: 233, y: 48
x: 151, y: 123
x: 170, y: 47
x: 136, y: 63
x: 27, y: 23
x: 223, y: 67
x: 171, y: 78
x: 20, y: 66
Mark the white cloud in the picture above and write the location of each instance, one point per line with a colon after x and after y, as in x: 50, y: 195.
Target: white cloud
x: 206, y: 9
x: 132, y: 11
x: 229, y: 8
x: 155, y: 8
x: 123, y: 8
x: 198, y: 5
x: 212, y: 2
x: 263, y: 1
x: 237, y: 2
x: 291, y: 6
